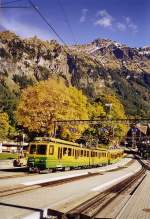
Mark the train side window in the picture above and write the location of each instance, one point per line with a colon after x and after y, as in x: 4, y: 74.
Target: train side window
x: 65, y: 152
x: 87, y: 153
x: 51, y: 150
x: 76, y: 154
x: 81, y: 153
x: 69, y: 151
x: 84, y: 153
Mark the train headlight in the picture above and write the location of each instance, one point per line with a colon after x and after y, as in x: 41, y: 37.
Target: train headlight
x: 42, y: 161
x: 31, y: 159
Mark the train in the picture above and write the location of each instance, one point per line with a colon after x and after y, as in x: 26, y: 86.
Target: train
x: 53, y: 154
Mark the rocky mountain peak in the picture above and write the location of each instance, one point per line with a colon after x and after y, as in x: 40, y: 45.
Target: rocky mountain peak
x: 91, y: 67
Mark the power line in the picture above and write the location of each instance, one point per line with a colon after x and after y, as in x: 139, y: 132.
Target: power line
x: 11, y: 2
x: 4, y: 5
x: 45, y: 20
x: 51, y: 26
x: 8, y: 7
x: 53, y: 29
x: 67, y: 20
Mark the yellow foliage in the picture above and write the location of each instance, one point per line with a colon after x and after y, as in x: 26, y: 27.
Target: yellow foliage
x: 51, y: 100
x: 96, y: 110
x: 116, y: 111
x: 4, y: 125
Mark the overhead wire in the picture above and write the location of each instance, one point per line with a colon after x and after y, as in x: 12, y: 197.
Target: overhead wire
x: 11, y: 2
x: 7, y: 5
x: 19, y: 7
x: 50, y: 25
x: 69, y: 26
x: 67, y: 20
x: 4, y: 4
x: 47, y: 22
x: 52, y: 28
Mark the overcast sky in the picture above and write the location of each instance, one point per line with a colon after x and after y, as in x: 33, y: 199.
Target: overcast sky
x: 126, y: 21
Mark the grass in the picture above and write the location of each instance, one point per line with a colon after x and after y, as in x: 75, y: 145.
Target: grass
x: 5, y: 156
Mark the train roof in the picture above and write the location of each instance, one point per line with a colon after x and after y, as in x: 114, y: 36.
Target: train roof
x: 55, y: 140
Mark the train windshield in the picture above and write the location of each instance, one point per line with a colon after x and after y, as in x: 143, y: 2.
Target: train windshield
x: 41, y: 149
x: 32, y: 149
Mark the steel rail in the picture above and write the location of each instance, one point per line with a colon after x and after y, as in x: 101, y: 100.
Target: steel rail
x: 11, y: 190
x: 93, y: 206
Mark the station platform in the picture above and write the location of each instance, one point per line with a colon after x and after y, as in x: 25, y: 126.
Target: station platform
x: 138, y: 206
x: 33, y: 179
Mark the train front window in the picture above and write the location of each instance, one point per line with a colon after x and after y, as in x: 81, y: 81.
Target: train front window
x: 32, y: 149
x: 41, y: 149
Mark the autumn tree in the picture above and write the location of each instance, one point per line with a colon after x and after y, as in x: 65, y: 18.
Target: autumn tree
x: 4, y: 125
x: 40, y: 105
x: 116, y: 111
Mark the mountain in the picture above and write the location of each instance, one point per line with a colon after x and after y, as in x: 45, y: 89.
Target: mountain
x: 114, y: 55
x: 94, y: 67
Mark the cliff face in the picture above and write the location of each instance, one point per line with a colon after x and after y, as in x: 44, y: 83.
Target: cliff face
x: 92, y: 67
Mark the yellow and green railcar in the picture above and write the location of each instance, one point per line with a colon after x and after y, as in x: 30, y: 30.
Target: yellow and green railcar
x: 58, y: 154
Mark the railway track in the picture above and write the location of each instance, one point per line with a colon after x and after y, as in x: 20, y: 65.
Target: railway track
x: 96, y: 207
x: 104, y: 204
x: 17, y: 175
x: 11, y: 190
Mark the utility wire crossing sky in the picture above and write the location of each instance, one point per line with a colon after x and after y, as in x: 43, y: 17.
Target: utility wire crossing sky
x: 80, y: 21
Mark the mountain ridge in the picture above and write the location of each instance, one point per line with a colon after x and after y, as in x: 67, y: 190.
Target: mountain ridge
x: 94, y: 67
